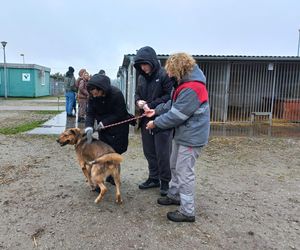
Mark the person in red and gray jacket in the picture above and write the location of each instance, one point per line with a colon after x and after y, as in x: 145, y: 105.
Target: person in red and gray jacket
x: 189, y: 116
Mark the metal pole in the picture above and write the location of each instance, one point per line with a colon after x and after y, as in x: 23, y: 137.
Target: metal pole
x: 4, y: 69
x: 23, y: 58
x: 298, y: 42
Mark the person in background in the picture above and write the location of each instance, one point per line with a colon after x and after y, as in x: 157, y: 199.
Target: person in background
x: 70, y: 90
x: 153, y: 88
x: 101, y: 72
x: 107, y: 106
x: 188, y: 114
x: 80, y: 77
x: 83, y: 96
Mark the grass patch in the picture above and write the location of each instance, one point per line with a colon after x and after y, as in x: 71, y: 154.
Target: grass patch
x: 21, y: 128
x: 47, y: 112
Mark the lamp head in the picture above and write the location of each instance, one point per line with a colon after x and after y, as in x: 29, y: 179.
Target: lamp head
x: 3, y: 44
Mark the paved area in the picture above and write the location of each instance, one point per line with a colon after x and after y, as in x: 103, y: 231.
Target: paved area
x: 56, y: 125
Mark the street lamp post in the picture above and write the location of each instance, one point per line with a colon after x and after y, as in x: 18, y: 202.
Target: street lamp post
x: 4, y: 69
x: 298, y: 42
x: 23, y: 58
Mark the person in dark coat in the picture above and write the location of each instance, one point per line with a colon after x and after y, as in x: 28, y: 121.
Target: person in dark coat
x: 107, y: 106
x: 154, y: 87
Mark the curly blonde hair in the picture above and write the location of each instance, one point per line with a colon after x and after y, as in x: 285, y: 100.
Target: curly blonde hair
x: 179, y: 64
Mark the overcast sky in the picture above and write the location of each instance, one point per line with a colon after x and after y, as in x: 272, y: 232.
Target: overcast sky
x: 96, y: 34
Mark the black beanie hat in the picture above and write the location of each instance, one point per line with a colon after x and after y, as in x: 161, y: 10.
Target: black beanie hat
x: 71, y: 69
x: 102, y: 72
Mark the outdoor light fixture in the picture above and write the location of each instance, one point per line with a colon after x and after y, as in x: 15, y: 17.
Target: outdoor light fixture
x: 23, y: 57
x: 4, y: 68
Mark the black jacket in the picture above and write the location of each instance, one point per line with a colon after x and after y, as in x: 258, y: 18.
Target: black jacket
x: 109, y: 110
x: 156, y: 87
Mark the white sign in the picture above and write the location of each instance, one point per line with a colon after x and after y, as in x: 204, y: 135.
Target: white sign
x: 26, y: 77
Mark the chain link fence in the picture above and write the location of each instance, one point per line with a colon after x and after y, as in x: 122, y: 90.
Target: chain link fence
x: 56, y: 88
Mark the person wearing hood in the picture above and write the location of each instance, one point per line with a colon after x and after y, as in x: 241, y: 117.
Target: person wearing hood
x: 70, y: 91
x: 153, y: 88
x: 188, y: 114
x: 107, y: 106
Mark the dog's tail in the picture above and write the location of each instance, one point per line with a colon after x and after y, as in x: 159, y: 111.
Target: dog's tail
x: 111, y: 157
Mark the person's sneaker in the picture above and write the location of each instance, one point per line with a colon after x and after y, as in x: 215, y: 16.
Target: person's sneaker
x: 150, y: 183
x: 164, y: 187
x: 179, y: 217
x: 166, y: 201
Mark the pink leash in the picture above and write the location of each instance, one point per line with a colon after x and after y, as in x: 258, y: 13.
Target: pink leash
x: 125, y: 121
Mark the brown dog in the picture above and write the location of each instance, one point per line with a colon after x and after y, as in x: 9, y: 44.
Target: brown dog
x: 97, y: 160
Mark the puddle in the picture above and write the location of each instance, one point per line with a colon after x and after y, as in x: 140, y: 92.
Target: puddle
x: 257, y: 130
x: 59, y: 123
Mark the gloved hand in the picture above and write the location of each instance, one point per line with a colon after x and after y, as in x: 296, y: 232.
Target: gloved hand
x: 89, y: 134
x: 140, y: 103
x: 100, y: 126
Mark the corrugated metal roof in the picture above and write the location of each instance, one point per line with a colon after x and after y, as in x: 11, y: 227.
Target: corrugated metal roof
x: 127, y: 58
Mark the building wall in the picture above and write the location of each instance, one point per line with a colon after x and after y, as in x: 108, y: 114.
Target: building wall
x: 25, y: 81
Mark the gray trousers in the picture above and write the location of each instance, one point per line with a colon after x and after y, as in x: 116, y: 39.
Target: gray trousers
x: 182, y: 184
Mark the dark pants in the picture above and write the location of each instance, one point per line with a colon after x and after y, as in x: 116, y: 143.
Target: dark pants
x: 157, y: 149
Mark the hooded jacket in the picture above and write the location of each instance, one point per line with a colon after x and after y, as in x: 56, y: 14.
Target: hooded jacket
x: 188, y: 111
x: 109, y: 109
x: 154, y: 88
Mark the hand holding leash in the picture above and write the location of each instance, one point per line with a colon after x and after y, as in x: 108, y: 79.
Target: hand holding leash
x: 100, y: 126
x: 150, y: 125
x: 89, y: 134
x: 150, y: 112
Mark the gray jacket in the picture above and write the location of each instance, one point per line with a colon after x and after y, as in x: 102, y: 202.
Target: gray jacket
x: 69, y: 84
x: 188, y: 111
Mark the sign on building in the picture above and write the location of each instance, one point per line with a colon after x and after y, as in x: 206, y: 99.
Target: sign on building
x: 26, y: 77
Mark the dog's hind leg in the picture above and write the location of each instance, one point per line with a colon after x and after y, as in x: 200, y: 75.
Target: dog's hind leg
x: 103, y: 190
x: 116, y: 175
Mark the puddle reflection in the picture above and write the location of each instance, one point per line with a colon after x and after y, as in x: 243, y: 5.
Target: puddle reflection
x: 256, y: 130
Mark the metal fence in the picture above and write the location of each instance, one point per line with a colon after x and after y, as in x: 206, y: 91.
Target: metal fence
x: 239, y: 89
x: 56, y: 88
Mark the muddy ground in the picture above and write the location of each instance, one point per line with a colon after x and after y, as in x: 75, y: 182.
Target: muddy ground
x: 247, y: 197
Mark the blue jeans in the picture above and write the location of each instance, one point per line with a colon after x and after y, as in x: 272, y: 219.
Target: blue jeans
x: 70, y: 101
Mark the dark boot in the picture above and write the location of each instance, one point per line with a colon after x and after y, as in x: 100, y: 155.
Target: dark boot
x: 179, y: 217
x: 166, y: 201
x: 150, y: 183
x: 164, y: 188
